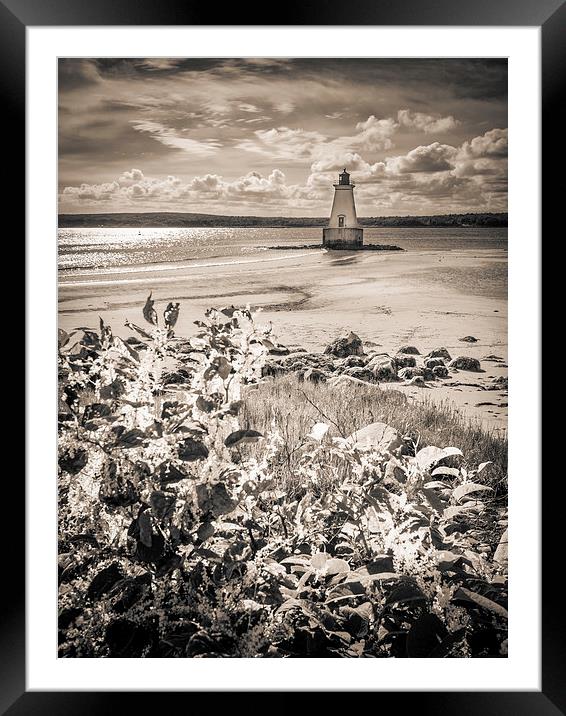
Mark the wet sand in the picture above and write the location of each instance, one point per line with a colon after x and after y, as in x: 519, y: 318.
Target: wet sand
x: 424, y: 298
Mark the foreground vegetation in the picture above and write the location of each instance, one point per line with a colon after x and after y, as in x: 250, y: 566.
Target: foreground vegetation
x: 206, y: 513
x: 293, y: 406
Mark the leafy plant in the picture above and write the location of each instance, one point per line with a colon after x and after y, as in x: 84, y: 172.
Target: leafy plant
x: 176, y: 538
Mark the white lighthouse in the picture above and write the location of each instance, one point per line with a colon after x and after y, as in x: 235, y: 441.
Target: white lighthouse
x: 343, y: 231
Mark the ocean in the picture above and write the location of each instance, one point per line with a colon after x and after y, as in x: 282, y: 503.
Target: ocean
x: 90, y: 254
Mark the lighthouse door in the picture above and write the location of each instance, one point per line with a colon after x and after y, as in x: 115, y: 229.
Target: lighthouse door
x: 341, y: 219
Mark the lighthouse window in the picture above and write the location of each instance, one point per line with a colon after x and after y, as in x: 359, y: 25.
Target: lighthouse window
x: 341, y: 220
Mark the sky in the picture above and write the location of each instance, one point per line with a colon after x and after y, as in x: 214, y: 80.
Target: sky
x: 268, y: 136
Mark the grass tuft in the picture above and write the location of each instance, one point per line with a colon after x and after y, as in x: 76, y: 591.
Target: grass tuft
x: 294, y: 406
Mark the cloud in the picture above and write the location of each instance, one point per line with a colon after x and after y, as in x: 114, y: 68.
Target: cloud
x: 284, y: 106
x: 76, y: 74
x: 427, y: 123
x: 333, y: 162
x: 484, y: 156
x: 170, y: 138
x: 247, y: 107
x: 284, y: 143
x: 434, y: 157
x: 373, y: 133
x: 490, y: 144
x: 300, y: 144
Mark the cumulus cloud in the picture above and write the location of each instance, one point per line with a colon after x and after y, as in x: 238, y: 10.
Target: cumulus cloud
x: 484, y: 156
x: 427, y: 123
x: 490, y: 144
x: 373, y: 133
x: 434, y: 157
x: 251, y: 189
x: 472, y: 176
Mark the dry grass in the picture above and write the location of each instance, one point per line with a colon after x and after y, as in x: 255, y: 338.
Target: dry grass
x: 295, y: 406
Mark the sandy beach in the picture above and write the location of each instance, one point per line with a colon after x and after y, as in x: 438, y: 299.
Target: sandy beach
x: 424, y: 298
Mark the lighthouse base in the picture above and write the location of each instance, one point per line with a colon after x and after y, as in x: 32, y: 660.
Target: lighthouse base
x: 343, y: 238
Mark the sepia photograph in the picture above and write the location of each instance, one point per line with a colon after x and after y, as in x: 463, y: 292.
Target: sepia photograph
x: 282, y: 357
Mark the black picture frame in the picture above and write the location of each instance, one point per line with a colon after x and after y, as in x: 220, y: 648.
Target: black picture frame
x: 550, y: 16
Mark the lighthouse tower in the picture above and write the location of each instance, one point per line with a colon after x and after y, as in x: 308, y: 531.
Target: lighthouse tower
x: 343, y: 231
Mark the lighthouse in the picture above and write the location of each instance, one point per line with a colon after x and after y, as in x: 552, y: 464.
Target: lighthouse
x: 343, y: 231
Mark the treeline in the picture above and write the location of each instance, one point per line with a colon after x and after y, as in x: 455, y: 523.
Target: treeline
x: 182, y: 220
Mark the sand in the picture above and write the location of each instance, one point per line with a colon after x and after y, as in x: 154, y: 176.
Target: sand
x: 424, y: 298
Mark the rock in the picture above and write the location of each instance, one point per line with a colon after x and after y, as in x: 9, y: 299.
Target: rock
x: 440, y: 371
x: 500, y: 555
x: 279, y: 351
x: 343, y: 379
x: 417, y: 380
x: 383, y: 367
x: 501, y: 379
x: 499, y: 383
x: 350, y: 345
x: 465, y: 363
x: 361, y: 373
x: 394, y: 472
x: 354, y: 361
x: 440, y: 353
x: 312, y: 374
x: 433, y: 362
x: 411, y: 350
x: 409, y: 373
x: 379, y: 436
x: 405, y: 361
x: 468, y: 339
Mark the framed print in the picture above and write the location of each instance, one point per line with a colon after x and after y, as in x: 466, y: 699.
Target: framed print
x: 283, y: 379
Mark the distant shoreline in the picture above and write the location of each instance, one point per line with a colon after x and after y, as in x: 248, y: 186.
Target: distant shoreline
x: 172, y: 220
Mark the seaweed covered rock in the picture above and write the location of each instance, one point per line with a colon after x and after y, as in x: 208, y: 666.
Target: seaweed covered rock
x: 433, y: 362
x: 466, y: 363
x: 405, y: 361
x: 383, y: 367
x: 410, y: 350
x: 409, y: 373
x: 439, y: 353
x: 440, y: 371
x: 350, y: 345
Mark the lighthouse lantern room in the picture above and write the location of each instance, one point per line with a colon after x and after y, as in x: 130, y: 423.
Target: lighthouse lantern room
x: 343, y: 231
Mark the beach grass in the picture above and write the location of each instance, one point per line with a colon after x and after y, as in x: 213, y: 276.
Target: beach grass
x: 293, y: 406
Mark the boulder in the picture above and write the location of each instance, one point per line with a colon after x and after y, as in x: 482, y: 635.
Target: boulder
x: 350, y: 345
x: 279, y: 351
x: 468, y: 339
x: 440, y: 371
x: 409, y: 373
x: 417, y: 380
x: 465, y: 363
x: 411, y: 350
x: 440, y: 353
x: 433, y: 362
x: 383, y: 367
x: 353, y: 362
x: 405, y: 361
x: 365, y: 374
x: 378, y: 436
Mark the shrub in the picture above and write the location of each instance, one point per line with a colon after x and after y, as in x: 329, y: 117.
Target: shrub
x: 177, y: 537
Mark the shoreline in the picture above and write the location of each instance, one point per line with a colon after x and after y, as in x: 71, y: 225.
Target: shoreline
x: 428, y: 298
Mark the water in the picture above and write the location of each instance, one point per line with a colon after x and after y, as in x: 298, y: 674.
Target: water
x: 92, y: 252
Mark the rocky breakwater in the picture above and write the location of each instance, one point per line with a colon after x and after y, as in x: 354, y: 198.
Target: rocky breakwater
x: 346, y: 359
